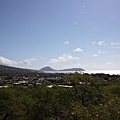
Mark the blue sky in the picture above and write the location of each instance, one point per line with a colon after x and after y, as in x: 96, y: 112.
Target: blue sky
x: 60, y: 33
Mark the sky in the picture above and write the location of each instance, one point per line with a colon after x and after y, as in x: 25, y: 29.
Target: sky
x: 60, y: 34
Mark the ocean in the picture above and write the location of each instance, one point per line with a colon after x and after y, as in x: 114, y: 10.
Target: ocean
x: 111, y: 72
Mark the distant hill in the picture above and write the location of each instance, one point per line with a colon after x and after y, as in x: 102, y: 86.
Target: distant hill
x: 9, y: 69
x: 51, y: 69
x: 73, y: 69
x: 47, y: 69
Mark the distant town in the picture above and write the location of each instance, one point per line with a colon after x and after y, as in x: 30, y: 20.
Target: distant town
x: 11, y: 76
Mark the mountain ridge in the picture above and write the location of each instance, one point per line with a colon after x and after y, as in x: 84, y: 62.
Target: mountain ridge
x: 69, y: 69
x: 10, y: 69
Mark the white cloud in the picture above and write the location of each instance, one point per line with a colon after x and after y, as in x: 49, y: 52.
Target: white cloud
x: 23, y: 63
x: 95, y: 55
x: 94, y: 43
x: 5, y: 61
x: 78, y: 50
x: 98, y: 53
x: 66, y: 42
x: 63, y: 58
x: 101, y: 52
x: 28, y: 61
x: 101, y: 43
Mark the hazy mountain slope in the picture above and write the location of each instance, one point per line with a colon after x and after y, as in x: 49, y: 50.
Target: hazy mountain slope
x: 4, y: 68
x: 51, y: 69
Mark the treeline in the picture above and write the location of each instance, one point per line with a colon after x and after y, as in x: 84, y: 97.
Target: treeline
x: 91, y: 98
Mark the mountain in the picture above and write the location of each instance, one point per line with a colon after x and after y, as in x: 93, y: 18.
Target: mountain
x: 51, y: 69
x: 47, y: 69
x: 73, y: 69
x: 9, y: 69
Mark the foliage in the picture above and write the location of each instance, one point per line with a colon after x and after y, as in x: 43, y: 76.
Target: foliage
x: 90, y: 98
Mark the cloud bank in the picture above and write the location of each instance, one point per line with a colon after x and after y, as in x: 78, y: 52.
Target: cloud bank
x: 63, y: 58
x: 5, y: 61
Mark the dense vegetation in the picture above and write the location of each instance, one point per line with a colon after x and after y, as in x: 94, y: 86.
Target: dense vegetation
x: 92, y: 97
